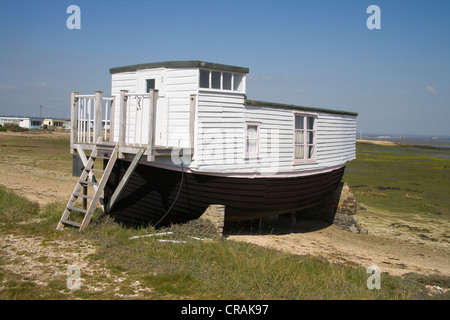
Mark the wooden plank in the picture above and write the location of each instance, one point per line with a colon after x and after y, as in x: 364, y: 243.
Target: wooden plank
x: 98, y: 103
x: 192, y: 120
x: 81, y: 195
x: 77, y: 209
x: 72, y: 223
x: 73, y: 120
x: 124, y: 180
x: 152, y: 124
x: 122, y: 120
x: 112, y: 116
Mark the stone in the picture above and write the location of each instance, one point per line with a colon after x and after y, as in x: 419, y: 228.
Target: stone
x: 215, y: 214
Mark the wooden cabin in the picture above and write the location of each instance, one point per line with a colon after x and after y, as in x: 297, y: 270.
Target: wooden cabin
x: 186, y: 136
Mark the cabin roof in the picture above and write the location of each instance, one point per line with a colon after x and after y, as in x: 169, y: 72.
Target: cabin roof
x: 180, y: 64
x: 258, y: 103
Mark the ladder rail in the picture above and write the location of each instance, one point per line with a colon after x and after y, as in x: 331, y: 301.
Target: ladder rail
x: 100, y: 188
x: 87, y: 178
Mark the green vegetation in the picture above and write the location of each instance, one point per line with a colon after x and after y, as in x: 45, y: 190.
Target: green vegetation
x: 193, y: 269
x: 401, y: 179
x: 36, y: 150
x: 14, y: 208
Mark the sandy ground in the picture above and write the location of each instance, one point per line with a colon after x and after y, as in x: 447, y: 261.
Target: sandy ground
x: 397, y: 249
x: 38, y: 187
x: 395, y: 252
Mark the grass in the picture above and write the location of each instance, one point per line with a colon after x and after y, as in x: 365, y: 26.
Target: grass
x: 401, y: 179
x: 14, y: 208
x: 211, y: 269
x: 36, y: 150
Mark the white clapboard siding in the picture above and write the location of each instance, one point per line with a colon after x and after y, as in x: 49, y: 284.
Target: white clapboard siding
x: 219, y: 130
x: 121, y: 81
x: 221, y: 137
x: 180, y: 85
x: 175, y: 87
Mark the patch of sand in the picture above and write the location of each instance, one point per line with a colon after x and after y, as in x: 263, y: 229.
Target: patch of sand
x: 393, y: 251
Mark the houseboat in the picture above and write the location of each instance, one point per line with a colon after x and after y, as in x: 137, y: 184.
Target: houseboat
x: 186, y: 136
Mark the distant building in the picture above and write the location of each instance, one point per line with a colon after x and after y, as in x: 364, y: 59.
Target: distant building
x: 57, y: 123
x: 22, y: 122
x: 36, y: 123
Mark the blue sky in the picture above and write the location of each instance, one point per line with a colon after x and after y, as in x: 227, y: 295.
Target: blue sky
x: 312, y: 53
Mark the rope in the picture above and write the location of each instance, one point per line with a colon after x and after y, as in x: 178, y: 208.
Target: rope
x: 174, y: 201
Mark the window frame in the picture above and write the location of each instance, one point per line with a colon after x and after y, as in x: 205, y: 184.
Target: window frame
x: 241, y: 87
x: 252, y: 155
x: 305, y: 143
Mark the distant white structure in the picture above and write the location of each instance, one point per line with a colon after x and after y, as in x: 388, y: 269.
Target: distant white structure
x: 34, y: 123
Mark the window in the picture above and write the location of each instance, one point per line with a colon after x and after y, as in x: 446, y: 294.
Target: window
x: 150, y: 84
x: 304, y: 137
x: 204, y: 78
x: 215, y: 79
x: 210, y: 79
x: 251, y: 140
x: 226, y: 80
x: 237, y: 84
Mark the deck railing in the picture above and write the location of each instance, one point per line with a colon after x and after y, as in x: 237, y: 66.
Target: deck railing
x: 90, y: 118
x: 93, y: 120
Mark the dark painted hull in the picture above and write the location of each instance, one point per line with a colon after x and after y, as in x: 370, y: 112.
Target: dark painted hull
x: 151, y: 191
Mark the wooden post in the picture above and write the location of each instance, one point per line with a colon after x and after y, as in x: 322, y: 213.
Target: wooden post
x: 112, y: 115
x: 124, y: 180
x: 153, y: 97
x: 192, y: 122
x: 73, y: 120
x: 122, y: 120
x: 98, y: 115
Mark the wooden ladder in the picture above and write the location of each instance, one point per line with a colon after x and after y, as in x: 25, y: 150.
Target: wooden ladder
x: 87, y: 179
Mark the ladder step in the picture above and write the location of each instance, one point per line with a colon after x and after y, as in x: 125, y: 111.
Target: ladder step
x: 111, y: 145
x: 83, y: 196
x: 95, y: 170
x: 76, y: 209
x: 72, y: 223
x: 100, y: 157
x: 88, y: 182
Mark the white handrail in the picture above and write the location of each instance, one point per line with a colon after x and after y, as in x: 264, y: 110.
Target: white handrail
x: 91, y: 118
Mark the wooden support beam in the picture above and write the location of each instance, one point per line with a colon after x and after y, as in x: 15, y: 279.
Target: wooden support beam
x: 122, y: 120
x: 98, y: 102
x: 124, y: 180
x: 112, y: 115
x: 153, y: 95
x: 73, y: 120
x: 192, y: 121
